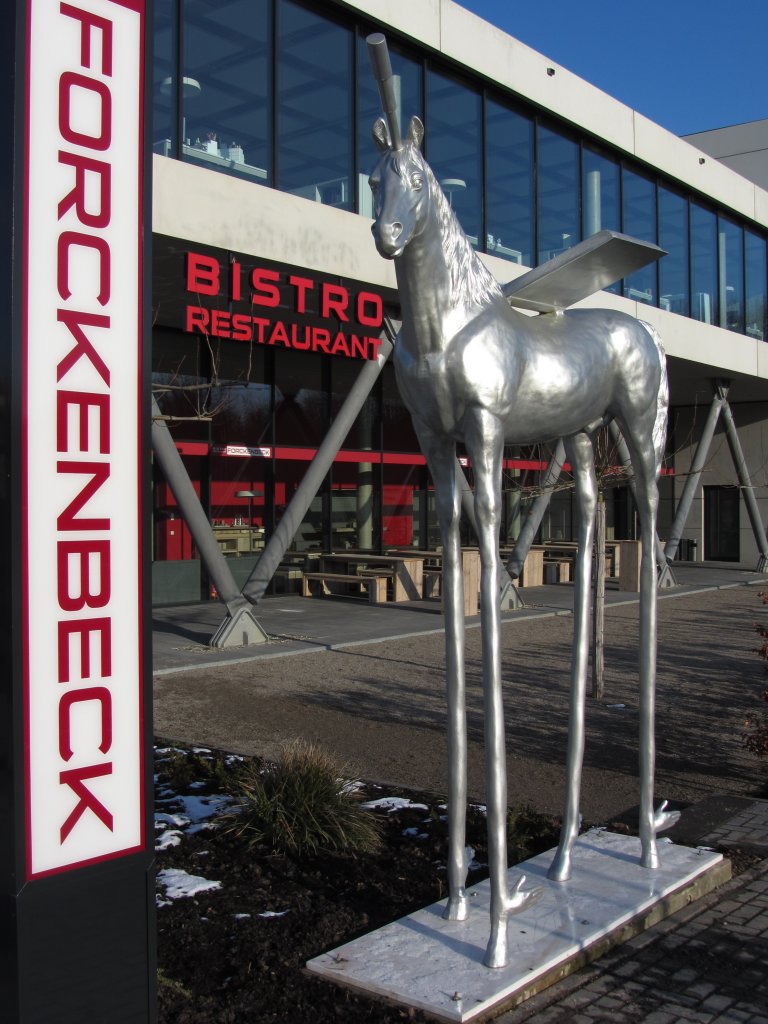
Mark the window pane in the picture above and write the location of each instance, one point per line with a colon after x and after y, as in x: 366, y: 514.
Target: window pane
x: 703, y: 265
x: 241, y: 400
x: 639, y: 220
x: 756, y: 274
x: 509, y: 184
x: 673, y: 268
x: 557, y: 182
x: 397, y: 426
x: 227, y: 71
x: 730, y: 248
x: 601, y: 193
x: 364, y: 432
x: 454, y: 147
x: 300, y: 399
x: 407, y: 74
x: 164, y: 93
x: 314, y: 112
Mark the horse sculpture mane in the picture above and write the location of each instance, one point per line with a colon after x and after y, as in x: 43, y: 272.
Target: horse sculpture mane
x: 471, y: 281
x: 472, y: 369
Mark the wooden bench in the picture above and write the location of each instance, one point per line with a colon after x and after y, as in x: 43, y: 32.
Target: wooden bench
x: 372, y: 580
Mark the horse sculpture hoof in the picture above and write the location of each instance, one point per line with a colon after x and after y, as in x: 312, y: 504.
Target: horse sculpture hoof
x: 457, y: 908
x: 496, y: 954
x: 560, y: 869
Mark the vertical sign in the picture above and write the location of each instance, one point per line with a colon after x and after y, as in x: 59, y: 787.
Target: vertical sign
x: 81, y: 432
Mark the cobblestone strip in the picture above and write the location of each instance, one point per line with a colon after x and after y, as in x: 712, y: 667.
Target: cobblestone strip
x: 708, y: 963
x: 747, y: 828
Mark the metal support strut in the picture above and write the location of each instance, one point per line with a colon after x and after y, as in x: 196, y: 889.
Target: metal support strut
x: 240, y: 626
x: 256, y: 585
x: 697, y: 465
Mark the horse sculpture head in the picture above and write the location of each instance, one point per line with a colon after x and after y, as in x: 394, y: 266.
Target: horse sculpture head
x: 401, y: 189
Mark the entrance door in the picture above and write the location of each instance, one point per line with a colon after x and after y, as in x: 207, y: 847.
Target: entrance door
x: 721, y: 524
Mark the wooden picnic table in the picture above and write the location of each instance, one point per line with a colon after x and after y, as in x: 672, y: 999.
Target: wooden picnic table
x: 432, y: 576
x: 408, y: 571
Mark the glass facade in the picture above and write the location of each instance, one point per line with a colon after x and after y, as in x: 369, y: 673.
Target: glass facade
x: 509, y: 187
x: 557, y: 193
x: 454, y: 147
x: 638, y: 210
x: 280, y: 92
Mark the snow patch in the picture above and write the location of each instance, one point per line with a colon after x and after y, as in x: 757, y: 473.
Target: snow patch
x: 393, y: 803
x: 179, y: 883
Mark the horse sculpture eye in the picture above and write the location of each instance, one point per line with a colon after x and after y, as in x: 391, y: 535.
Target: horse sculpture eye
x: 417, y: 182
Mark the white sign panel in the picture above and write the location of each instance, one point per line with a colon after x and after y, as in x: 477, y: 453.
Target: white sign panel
x: 81, y: 441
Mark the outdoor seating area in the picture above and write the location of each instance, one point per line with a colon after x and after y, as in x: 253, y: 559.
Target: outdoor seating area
x: 408, y: 574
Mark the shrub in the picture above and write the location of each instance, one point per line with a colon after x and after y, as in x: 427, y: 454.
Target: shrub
x: 300, y: 804
x: 755, y: 735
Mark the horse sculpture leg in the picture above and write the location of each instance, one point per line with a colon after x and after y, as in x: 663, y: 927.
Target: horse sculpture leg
x: 441, y: 457
x: 645, y: 473
x: 580, y: 453
x: 485, y: 444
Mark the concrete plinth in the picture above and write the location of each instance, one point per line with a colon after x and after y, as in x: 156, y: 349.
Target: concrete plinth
x: 436, y: 965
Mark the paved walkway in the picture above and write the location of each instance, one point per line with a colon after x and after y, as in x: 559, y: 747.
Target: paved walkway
x: 297, y: 625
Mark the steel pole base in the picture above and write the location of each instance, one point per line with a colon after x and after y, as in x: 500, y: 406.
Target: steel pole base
x: 240, y: 628
x: 666, y: 578
x: 762, y: 564
x: 510, y: 598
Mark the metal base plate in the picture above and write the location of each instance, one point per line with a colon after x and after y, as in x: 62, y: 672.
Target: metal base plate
x: 436, y: 965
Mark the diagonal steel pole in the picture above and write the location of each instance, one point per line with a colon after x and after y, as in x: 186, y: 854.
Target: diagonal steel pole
x: 536, y: 511
x: 256, y: 585
x: 666, y: 576
x: 244, y: 629
x: 719, y: 399
x: 746, y: 487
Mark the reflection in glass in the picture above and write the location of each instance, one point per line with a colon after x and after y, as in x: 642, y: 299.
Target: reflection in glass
x: 397, y: 425
x: 639, y: 220
x: 600, y: 191
x: 509, y: 184
x: 557, y: 181
x: 454, y: 147
x: 673, y: 268
x: 704, y: 296
x: 180, y: 368
x: 407, y: 74
x: 226, y: 91
x: 300, y: 399
x: 756, y: 277
x: 730, y: 253
x: 241, y: 401
x: 314, y: 106
x: 163, y: 90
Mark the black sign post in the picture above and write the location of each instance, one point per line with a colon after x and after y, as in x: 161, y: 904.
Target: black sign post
x: 76, y: 867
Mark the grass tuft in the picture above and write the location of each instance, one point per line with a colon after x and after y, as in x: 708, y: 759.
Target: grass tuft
x: 302, y: 805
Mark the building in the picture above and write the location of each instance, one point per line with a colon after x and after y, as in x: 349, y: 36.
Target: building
x: 743, y: 147
x: 269, y: 294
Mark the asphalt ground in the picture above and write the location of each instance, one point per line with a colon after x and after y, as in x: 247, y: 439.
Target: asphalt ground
x: 367, y: 683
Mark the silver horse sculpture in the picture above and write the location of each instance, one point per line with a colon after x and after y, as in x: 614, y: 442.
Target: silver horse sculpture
x: 472, y: 369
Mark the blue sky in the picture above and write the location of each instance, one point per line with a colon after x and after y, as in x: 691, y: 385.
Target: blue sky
x: 689, y: 65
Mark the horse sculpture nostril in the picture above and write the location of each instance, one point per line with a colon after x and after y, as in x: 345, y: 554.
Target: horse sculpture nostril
x: 397, y: 229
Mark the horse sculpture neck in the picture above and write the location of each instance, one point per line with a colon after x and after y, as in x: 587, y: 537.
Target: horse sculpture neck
x: 442, y: 283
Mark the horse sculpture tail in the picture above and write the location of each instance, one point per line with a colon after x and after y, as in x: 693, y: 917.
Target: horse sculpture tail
x: 662, y: 400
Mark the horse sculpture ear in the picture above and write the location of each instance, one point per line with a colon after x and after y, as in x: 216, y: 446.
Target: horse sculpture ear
x: 381, y: 135
x: 416, y: 132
